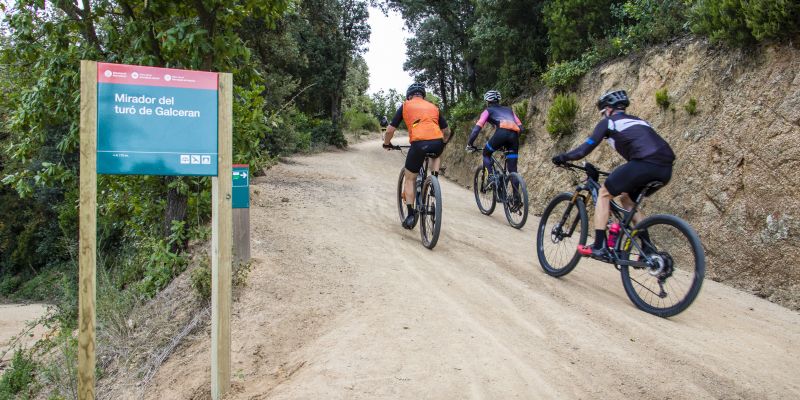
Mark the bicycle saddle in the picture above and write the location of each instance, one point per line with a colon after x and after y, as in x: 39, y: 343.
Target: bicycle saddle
x: 652, y: 187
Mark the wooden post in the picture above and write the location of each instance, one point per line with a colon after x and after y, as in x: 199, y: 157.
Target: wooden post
x: 241, y: 235
x: 87, y: 257
x: 221, y: 246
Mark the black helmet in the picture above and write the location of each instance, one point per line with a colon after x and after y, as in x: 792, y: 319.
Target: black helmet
x: 613, y: 99
x: 415, y: 88
x: 492, y: 96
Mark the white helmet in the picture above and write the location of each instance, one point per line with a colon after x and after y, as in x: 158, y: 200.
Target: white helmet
x: 492, y: 96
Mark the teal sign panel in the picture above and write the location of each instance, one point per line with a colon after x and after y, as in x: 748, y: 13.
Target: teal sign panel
x: 241, y: 186
x: 156, y: 121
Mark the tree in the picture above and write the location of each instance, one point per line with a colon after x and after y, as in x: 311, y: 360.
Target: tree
x: 571, y: 24
x: 444, y: 22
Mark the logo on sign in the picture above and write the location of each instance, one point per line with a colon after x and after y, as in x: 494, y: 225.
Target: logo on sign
x: 167, y: 77
x: 184, y: 159
x: 135, y: 75
x: 206, y: 160
x: 107, y: 73
x: 195, y: 159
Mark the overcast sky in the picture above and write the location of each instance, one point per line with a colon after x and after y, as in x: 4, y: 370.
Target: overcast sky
x: 387, y: 52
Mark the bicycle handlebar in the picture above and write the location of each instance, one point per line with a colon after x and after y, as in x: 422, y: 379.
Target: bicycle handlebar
x: 477, y: 149
x: 586, y: 167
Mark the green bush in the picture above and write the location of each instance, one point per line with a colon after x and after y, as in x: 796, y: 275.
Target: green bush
x: 566, y: 74
x: 772, y: 19
x: 561, y: 116
x: 691, y: 106
x: 360, y: 121
x: 740, y: 22
x: 160, y: 267
x: 18, y: 381
x: 521, y: 109
x: 464, y: 113
x: 662, y: 98
x: 644, y: 22
x: 201, y: 281
x: 324, y: 133
x: 572, y: 23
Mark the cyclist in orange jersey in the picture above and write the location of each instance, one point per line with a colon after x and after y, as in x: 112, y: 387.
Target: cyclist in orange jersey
x: 427, y: 132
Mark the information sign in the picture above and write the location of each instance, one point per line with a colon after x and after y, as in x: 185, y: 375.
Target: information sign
x: 156, y: 121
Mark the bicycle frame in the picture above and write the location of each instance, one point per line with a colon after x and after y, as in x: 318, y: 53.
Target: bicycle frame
x: 421, y: 176
x: 500, y: 166
x: 625, y: 217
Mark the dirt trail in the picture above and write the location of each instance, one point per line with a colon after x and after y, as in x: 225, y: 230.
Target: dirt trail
x: 344, y: 303
x: 14, y: 320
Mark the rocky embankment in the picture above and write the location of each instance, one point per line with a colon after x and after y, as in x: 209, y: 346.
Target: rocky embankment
x: 737, y: 176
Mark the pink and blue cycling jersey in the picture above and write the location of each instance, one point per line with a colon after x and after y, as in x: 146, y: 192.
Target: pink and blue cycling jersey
x: 499, y: 116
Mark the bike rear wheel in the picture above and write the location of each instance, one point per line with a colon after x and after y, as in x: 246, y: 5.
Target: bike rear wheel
x: 401, y: 204
x: 484, y: 192
x: 563, y: 226
x: 431, y: 214
x: 516, y: 204
x: 673, y: 281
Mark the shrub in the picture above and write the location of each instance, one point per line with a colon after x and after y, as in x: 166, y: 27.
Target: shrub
x: 561, y: 116
x: 160, y: 267
x: 691, y: 106
x: 566, y: 74
x: 360, y: 121
x: 521, y: 109
x: 201, y: 281
x: 571, y: 24
x: 18, y: 381
x: 324, y: 133
x: 772, y: 19
x: 741, y: 22
x: 662, y: 98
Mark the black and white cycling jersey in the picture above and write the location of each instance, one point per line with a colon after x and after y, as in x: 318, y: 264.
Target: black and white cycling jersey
x: 632, y: 137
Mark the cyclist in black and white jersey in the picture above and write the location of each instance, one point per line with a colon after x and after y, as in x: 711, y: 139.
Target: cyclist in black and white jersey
x: 649, y: 158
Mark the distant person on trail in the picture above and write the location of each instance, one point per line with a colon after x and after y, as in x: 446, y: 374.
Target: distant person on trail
x: 427, y: 133
x: 649, y: 158
x: 384, y: 122
x: 506, y: 135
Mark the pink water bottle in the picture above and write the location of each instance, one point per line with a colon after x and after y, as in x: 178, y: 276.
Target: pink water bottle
x: 613, y: 232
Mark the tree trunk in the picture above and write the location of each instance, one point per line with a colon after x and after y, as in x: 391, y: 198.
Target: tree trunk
x: 443, y: 88
x: 472, y: 87
x: 177, y: 205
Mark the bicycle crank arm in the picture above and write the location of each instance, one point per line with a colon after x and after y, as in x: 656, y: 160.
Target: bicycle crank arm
x: 631, y: 263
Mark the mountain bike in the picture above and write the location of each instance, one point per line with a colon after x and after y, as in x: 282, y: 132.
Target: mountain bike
x: 428, y: 202
x: 661, y: 276
x: 505, y: 187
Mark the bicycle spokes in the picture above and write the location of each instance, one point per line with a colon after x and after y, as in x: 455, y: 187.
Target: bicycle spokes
x: 666, y: 267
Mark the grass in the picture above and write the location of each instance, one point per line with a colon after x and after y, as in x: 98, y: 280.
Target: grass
x: 691, y: 106
x: 662, y: 98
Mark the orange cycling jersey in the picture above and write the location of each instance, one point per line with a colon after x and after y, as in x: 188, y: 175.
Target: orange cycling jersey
x: 422, y: 120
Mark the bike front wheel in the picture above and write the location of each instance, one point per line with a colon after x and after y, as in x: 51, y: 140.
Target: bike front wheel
x: 401, y: 204
x: 563, y: 226
x: 484, y: 191
x: 516, y: 204
x: 431, y: 213
x: 676, y: 265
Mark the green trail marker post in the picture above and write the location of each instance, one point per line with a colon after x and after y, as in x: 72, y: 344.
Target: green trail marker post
x: 139, y: 120
x: 241, y: 213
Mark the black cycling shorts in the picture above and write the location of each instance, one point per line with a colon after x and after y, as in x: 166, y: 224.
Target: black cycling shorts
x: 419, y: 149
x: 502, y: 139
x: 632, y: 176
